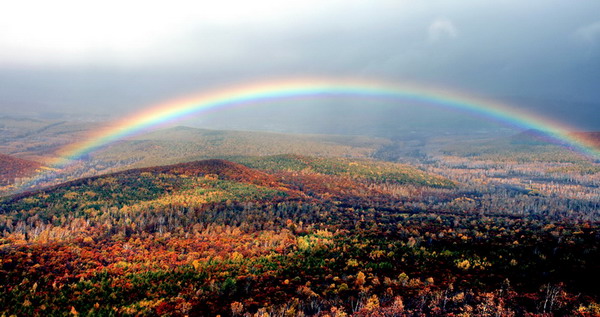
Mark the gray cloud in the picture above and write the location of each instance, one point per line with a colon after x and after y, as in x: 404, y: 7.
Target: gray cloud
x: 531, y: 51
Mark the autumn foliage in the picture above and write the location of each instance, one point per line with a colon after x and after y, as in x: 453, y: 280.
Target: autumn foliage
x: 299, y: 237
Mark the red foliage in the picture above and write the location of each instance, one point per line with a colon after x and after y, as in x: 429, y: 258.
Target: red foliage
x: 12, y: 167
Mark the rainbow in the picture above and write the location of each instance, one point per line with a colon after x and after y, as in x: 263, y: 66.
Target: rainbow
x: 179, y: 109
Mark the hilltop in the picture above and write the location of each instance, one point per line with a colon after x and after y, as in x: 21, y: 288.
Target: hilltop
x: 192, y: 183
x: 527, y: 146
x: 168, y: 146
x: 40, y: 140
x: 218, y: 168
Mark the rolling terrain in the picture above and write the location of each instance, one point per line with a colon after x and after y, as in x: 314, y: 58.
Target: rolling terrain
x: 288, y: 235
x: 40, y: 140
x: 187, y: 221
x: 167, y: 146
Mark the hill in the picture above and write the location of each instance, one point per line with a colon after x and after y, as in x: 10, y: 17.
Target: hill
x: 186, y: 184
x: 12, y: 167
x: 220, y: 169
x: 531, y: 137
x: 178, y: 145
x: 184, y: 144
x: 40, y: 140
x: 303, y: 236
x: 198, y: 182
x: 369, y: 170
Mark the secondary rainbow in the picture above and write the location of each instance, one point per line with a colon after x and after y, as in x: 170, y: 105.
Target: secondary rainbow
x: 254, y: 93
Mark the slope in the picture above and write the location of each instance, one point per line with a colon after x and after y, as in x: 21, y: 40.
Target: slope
x: 187, y: 184
x: 12, y: 167
x: 360, y: 169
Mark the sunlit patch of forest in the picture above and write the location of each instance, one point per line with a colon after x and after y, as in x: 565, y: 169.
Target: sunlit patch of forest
x: 369, y: 170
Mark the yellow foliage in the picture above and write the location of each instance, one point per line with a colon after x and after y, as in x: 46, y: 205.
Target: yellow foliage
x: 30, y: 200
x: 70, y: 195
x: 376, y: 254
x: 352, y: 263
x: 303, y: 243
x: 592, y: 308
x: 196, y: 264
x: 403, y: 278
x: 465, y: 264
x: 237, y: 257
x: 360, y: 278
x: 237, y: 308
x: 372, y: 303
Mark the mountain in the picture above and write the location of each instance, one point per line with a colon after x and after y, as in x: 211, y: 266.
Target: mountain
x: 192, y: 183
x: 527, y: 146
x: 41, y: 141
x: 536, y: 137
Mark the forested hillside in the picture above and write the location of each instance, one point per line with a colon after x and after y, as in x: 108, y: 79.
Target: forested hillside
x: 12, y: 168
x: 304, y: 236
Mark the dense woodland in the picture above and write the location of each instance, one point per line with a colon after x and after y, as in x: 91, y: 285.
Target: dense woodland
x: 478, y: 227
x: 293, y: 235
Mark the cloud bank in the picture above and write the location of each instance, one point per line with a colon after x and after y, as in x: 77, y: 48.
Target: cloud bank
x: 117, y: 56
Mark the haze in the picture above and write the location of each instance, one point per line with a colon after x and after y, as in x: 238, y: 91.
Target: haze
x: 110, y: 58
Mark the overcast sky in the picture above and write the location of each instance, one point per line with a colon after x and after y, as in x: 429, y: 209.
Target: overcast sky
x: 116, y: 56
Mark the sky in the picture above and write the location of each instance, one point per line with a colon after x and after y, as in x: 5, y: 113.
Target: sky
x: 109, y: 58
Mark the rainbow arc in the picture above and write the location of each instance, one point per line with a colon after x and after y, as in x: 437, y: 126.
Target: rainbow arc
x: 251, y: 94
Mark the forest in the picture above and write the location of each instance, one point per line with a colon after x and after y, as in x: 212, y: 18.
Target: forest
x: 294, y: 235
